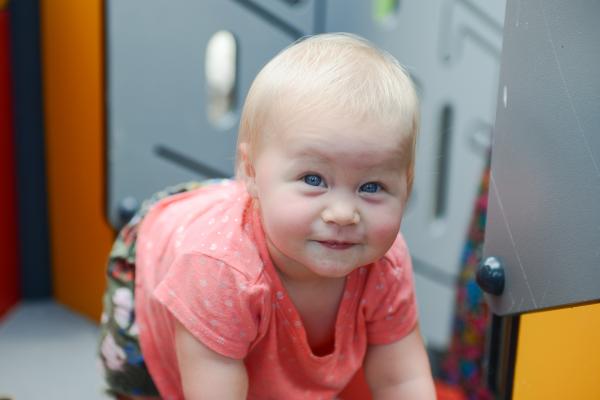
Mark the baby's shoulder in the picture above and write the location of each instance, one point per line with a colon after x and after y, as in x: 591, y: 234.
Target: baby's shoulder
x: 175, y: 207
x: 210, y: 220
x: 216, y: 224
x: 219, y: 274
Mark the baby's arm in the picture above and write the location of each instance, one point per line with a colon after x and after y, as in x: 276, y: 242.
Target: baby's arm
x: 400, y: 370
x: 206, y: 374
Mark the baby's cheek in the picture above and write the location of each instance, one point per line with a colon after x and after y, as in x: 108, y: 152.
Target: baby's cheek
x: 384, y: 230
x: 287, y: 216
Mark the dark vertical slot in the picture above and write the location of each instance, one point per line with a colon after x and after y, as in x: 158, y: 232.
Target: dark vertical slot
x: 443, y: 162
x: 500, y: 355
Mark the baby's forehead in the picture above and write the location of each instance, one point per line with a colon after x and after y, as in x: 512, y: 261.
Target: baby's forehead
x: 310, y: 141
x: 341, y: 132
x: 334, y: 137
x: 357, y: 150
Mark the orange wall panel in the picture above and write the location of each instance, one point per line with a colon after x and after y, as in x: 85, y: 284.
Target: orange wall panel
x: 558, y: 355
x: 72, y: 72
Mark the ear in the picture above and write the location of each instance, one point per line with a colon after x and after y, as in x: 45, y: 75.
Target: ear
x: 247, y: 170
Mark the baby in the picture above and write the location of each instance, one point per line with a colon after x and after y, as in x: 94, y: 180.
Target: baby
x: 283, y: 283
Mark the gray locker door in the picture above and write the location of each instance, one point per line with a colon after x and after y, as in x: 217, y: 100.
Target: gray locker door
x: 452, y: 50
x: 544, y: 200
x: 158, y: 130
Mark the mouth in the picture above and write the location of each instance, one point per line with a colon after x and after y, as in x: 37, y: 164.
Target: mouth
x: 335, y: 245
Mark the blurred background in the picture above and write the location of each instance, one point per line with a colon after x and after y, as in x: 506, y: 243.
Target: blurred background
x: 103, y: 103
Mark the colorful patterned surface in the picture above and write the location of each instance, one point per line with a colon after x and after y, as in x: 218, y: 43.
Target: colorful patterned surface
x: 463, y: 364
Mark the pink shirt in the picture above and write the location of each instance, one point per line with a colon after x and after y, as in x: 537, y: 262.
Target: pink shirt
x: 202, y: 259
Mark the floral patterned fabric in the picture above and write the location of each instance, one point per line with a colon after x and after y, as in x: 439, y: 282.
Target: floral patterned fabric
x: 119, y: 349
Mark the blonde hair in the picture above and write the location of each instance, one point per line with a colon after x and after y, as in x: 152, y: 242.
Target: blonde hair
x: 334, y: 73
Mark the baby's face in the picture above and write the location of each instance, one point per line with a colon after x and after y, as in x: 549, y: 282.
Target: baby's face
x: 331, y: 195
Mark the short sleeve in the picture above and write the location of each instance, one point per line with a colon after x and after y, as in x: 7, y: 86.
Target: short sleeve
x: 214, y: 302
x: 390, y: 303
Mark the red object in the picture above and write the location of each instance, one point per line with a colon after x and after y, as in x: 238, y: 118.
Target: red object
x: 358, y: 389
x: 448, y: 392
x: 9, y: 272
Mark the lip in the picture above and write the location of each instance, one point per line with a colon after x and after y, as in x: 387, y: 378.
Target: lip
x: 335, y: 245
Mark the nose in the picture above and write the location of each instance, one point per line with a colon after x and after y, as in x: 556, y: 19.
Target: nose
x: 341, y: 213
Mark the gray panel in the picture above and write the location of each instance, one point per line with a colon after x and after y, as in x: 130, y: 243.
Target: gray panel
x: 544, y: 214
x: 452, y: 49
x: 157, y: 109
x: 301, y: 15
x: 436, y: 309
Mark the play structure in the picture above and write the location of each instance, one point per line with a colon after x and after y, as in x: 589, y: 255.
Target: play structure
x: 140, y: 94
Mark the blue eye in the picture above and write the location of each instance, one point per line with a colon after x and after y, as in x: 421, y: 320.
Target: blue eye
x: 313, y: 180
x: 370, y: 187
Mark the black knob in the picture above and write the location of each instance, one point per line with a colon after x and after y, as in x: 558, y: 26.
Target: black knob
x: 490, y: 276
x: 128, y: 206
